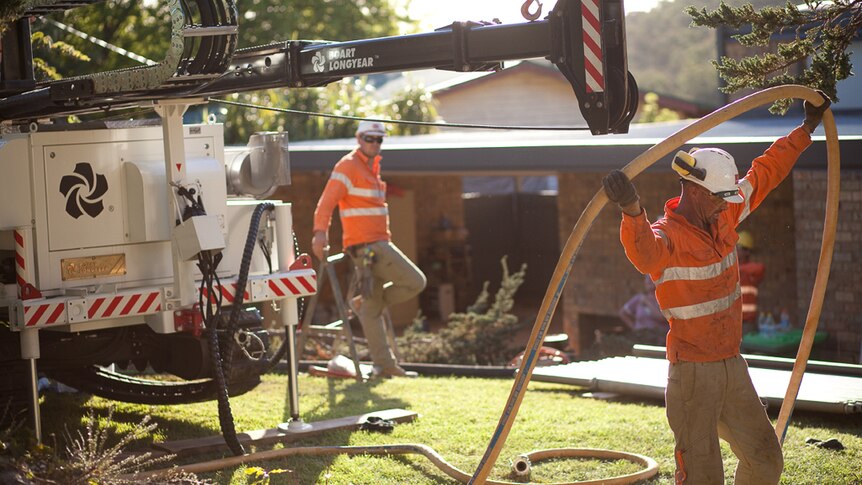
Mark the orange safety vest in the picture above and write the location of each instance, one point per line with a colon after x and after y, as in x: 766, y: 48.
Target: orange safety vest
x: 360, y: 194
x: 696, y: 272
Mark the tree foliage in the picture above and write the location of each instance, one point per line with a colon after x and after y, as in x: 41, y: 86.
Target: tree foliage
x: 679, y: 59
x: 265, y: 21
x: 46, y: 45
x: 651, y: 112
x: 350, y: 97
x: 10, y: 11
x: 140, y: 27
x: 480, y: 336
x: 821, y: 31
x: 144, y: 29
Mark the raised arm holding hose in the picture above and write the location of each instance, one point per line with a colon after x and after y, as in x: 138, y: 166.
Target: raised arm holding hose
x: 690, y: 253
x: 356, y: 188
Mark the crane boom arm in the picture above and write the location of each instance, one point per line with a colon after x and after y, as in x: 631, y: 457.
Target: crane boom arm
x: 585, y: 39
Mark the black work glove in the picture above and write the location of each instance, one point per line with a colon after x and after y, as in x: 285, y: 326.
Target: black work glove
x: 620, y: 189
x: 814, y: 114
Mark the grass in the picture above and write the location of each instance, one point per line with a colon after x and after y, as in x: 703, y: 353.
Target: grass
x: 457, y: 417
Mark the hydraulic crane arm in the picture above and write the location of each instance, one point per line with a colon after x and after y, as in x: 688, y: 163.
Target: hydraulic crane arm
x: 585, y: 39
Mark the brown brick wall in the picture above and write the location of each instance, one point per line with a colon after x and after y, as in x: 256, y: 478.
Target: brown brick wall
x: 842, y: 307
x: 436, y: 195
x: 602, y: 279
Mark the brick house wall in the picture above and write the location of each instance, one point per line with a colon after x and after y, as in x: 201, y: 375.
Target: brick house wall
x: 787, y: 229
x: 842, y: 307
x: 436, y: 196
x: 602, y: 279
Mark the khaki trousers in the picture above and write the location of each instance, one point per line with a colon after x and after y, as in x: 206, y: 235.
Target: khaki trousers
x: 396, y: 279
x: 708, y: 400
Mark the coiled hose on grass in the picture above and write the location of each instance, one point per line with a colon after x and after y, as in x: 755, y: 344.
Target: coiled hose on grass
x: 554, y: 292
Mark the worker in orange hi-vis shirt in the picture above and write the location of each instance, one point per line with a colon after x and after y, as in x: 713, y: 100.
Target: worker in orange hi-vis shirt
x: 690, y: 254
x: 751, y: 274
x: 387, y: 275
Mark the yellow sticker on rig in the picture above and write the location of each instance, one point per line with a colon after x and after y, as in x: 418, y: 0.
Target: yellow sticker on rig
x: 93, y: 267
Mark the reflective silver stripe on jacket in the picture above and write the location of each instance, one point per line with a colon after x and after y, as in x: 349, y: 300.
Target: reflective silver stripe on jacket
x: 749, y: 290
x: 696, y: 273
x: 746, y: 188
x: 702, y: 309
x: 375, y: 194
x: 371, y: 211
x: 749, y: 308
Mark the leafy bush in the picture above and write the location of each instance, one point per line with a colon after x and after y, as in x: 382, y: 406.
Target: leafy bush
x: 480, y: 336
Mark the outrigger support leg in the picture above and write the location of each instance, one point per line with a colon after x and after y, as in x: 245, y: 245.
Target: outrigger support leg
x: 30, y: 352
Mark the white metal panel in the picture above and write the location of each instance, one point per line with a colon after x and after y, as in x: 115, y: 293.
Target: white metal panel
x: 146, y: 263
x: 147, y: 199
x: 17, y: 207
x: 238, y: 219
x: 84, y: 196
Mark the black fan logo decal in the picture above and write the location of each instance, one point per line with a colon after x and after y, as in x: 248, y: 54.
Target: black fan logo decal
x: 84, y: 190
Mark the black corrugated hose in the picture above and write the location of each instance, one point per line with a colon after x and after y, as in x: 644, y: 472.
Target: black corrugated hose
x: 210, y: 301
x: 207, y: 262
x: 225, y: 414
x: 242, y: 279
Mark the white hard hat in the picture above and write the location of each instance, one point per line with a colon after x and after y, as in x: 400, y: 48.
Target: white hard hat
x: 711, y: 168
x: 371, y: 128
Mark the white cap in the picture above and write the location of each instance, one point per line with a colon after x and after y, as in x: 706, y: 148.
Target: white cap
x: 371, y: 128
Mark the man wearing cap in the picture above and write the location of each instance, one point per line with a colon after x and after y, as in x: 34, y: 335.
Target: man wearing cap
x: 356, y: 188
x: 690, y: 254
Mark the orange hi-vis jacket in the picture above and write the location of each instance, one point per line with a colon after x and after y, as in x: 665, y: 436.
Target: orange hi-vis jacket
x: 360, y: 194
x: 696, y: 272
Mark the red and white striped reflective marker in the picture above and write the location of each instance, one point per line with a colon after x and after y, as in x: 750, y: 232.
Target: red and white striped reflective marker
x: 293, y: 285
x: 592, y: 29
x: 23, y: 258
x: 45, y: 314
x: 124, y: 305
x: 227, y: 290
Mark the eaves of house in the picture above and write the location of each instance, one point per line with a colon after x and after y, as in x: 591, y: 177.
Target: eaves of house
x: 531, y: 151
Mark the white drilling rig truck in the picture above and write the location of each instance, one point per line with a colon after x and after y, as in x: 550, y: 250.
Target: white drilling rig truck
x: 136, y: 244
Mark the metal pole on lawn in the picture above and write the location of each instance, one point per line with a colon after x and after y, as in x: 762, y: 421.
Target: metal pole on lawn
x: 289, y: 315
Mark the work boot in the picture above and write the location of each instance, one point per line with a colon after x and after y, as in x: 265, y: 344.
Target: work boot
x: 388, y: 372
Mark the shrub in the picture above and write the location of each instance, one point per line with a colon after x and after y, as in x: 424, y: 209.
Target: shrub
x: 480, y: 336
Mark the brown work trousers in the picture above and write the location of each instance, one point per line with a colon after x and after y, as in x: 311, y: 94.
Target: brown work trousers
x: 708, y: 400
x: 395, y: 279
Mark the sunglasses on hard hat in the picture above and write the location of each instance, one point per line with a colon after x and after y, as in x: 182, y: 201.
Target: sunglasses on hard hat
x: 727, y: 193
x: 372, y: 139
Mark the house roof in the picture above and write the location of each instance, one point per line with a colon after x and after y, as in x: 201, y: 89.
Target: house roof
x: 441, y: 83
x: 531, y: 151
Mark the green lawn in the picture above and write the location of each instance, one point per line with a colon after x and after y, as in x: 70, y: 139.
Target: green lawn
x: 457, y: 417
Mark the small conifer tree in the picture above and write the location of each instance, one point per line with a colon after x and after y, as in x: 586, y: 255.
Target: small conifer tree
x: 822, y: 32
x: 482, y: 335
